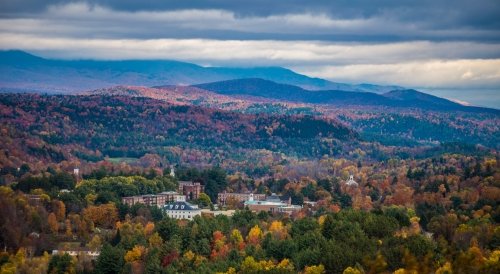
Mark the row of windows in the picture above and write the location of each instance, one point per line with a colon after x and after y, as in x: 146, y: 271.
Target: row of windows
x: 180, y: 216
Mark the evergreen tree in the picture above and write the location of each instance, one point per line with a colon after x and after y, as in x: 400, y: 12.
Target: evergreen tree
x: 153, y: 262
x: 61, y: 264
x: 328, y: 227
x: 110, y: 260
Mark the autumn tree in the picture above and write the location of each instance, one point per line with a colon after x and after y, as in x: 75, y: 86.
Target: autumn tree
x: 104, y: 215
x: 53, y: 224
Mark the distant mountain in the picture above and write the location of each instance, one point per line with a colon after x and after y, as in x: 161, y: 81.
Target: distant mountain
x: 397, y: 98
x: 271, y: 90
x: 21, y: 71
x: 417, y: 97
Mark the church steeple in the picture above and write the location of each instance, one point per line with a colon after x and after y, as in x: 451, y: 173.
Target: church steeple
x: 172, y: 171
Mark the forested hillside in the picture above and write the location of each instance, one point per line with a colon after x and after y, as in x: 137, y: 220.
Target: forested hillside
x: 57, y: 128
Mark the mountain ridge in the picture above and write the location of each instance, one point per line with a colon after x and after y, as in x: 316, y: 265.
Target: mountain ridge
x: 80, y: 75
x: 408, y: 98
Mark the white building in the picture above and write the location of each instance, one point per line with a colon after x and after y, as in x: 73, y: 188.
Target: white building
x: 78, y: 252
x: 172, y: 171
x: 351, y: 181
x: 181, y: 209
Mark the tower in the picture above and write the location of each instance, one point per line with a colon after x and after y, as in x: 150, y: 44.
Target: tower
x: 351, y: 181
x: 172, y: 171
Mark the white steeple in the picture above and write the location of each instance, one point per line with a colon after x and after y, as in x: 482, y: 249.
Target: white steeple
x: 172, y: 171
x: 351, y: 181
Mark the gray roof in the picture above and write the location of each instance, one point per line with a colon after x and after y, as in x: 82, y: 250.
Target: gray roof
x: 180, y: 206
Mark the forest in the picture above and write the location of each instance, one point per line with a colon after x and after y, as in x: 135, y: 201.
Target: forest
x: 67, y: 161
x: 437, y: 215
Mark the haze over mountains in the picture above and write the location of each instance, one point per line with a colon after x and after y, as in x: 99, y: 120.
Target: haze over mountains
x: 23, y: 71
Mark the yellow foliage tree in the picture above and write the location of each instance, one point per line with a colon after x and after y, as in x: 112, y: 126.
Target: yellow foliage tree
x: 351, y: 270
x: 103, y: 215
x: 278, y: 230
x: 189, y: 255
x: 95, y: 243
x: 315, y: 269
x: 155, y: 240
x: 136, y: 254
x: 255, y: 235
x: 285, y: 264
x: 445, y: 269
x: 149, y: 228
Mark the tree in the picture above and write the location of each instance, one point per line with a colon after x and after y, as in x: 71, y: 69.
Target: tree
x: 153, y: 263
x: 328, y: 229
x: 136, y: 254
x: 61, y: 264
x: 237, y: 239
x: 255, y: 235
x: 110, y: 260
x: 315, y: 269
x: 278, y: 230
x: 95, y: 243
x: 53, y: 224
x: 167, y: 228
x: 215, y: 181
x: 59, y: 210
x: 204, y: 200
x: 104, y: 215
x: 155, y: 241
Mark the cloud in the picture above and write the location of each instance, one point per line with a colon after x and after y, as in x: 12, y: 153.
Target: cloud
x: 423, y: 74
x: 419, y: 44
x: 390, y: 23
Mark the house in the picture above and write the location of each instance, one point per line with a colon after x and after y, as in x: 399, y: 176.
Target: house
x: 272, y: 204
x: 181, y: 209
x: 190, y: 189
x: 223, y: 197
x: 78, y: 252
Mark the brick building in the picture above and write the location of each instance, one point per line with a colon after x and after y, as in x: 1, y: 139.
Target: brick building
x: 190, y: 189
x: 158, y: 200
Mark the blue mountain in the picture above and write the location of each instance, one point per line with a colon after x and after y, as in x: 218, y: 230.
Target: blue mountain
x: 26, y: 72
x: 407, y: 98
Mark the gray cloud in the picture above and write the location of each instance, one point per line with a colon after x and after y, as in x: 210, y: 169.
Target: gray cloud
x: 394, y: 20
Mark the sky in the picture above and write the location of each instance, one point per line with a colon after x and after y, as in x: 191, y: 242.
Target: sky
x: 452, y: 47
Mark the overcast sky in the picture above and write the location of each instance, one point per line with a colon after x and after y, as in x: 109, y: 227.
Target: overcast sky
x: 426, y: 43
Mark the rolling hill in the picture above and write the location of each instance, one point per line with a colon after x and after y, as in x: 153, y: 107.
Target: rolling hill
x: 408, y: 98
x: 90, y: 127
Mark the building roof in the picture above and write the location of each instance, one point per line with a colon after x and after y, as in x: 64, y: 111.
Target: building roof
x: 274, y: 203
x: 179, y: 205
x: 169, y: 192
